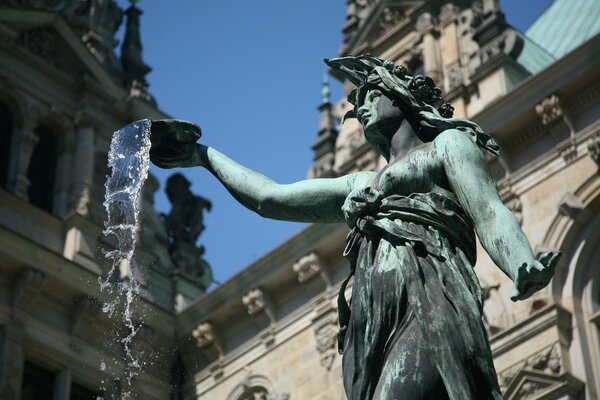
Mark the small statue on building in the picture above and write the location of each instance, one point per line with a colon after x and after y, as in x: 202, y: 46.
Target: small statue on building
x: 184, y: 224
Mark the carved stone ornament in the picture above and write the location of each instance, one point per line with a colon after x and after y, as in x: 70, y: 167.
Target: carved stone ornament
x: 570, y: 206
x: 28, y: 287
x: 454, y: 74
x: 326, y: 340
x: 549, y: 110
x: 256, y: 387
x: 389, y: 19
x: 204, y: 334
x: 594, y: 148
x: 42, y: 43
x: 307, y: 266
x: 254, y: 301
x: 547, y: 361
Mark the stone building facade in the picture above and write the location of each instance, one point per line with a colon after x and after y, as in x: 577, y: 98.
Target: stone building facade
x: 269, y: 332
x: 63, y: 91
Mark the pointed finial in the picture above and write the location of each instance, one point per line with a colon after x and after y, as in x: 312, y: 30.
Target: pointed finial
x: 134, y: 68
x: 325, y: 92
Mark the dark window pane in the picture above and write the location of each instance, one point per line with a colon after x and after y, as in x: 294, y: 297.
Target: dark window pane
x: 42, y: 168
x: 79, y: 392
x: 6, y: 129
x: 38, y: 383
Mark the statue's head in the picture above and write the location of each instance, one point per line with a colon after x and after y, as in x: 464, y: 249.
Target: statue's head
x: 387, y: 94
x: 177, y: 186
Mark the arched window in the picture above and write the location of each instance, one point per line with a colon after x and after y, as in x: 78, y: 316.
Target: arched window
x: 255, y: 387
x: 255, y: 393
x: 6, y: 128
x: 42, y: 169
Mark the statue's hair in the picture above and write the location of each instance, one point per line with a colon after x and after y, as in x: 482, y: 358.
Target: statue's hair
x: 416, y: 94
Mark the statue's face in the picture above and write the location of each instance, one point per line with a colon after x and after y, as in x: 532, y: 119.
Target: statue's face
x: 380, y: 118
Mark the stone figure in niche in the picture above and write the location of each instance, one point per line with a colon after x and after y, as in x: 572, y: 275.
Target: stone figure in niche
x: 413, y: 329
x: 184, y: 224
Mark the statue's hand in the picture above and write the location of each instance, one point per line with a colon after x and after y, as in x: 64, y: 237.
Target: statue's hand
x: 174, y: 143
x: 534, y: 275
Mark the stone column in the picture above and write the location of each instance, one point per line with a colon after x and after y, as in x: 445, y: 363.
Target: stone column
x: 450, y: 47
x: 25, y: 141
x: 62, y: 385
x: 64, y: 172
x: 12, y: 361
x: 83, y: 172
x: 426, y: 26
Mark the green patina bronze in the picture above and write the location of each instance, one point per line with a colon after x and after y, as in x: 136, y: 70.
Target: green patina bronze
x: 413, y: 329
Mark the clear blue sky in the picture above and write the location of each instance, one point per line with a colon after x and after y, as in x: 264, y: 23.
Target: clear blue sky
x: 249, y: 73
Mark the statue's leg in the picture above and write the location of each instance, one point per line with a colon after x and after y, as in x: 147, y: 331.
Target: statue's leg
x: 408, y: 373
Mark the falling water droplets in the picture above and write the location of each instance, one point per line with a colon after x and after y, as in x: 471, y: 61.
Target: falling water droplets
x: 129, y: 160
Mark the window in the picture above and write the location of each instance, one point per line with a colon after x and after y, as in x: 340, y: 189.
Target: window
x: 42, y: 169
x: 38, y: 382
x: 6, y: 128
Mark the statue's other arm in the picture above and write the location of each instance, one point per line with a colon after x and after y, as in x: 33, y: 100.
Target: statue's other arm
x: 312, y: 200
x: 497, y: 228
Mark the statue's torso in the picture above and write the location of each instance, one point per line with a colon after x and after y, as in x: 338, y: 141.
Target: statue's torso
x: 421, y: 170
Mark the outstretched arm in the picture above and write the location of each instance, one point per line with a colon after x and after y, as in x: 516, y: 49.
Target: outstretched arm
x: 313, y: 200
x: 497, y: 229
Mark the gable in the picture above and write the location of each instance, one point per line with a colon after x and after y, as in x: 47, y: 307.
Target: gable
x: 48, y: 38
x: 382, y: 20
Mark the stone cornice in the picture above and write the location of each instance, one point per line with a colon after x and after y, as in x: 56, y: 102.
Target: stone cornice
x: 546, y: 318
x: 285, y: 329
x: 279, y: 260
x: 577, y: 65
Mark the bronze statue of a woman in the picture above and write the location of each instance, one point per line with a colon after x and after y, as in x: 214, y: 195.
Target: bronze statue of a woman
x: 413, y: 329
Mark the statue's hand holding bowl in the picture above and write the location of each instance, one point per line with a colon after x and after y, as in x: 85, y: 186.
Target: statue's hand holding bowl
x: 174, y: 143
x: 534, y: 276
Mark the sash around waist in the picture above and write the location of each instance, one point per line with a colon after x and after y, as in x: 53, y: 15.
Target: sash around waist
x: 367, y: 212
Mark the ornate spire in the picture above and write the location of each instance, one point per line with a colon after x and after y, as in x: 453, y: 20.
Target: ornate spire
x: 134, y: 68
x: 324, y: 147
x: 325, y: 92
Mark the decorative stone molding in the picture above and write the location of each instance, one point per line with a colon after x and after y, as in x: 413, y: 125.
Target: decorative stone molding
x: 448, y: 14
x: 389, y: 19
x: 267, y: 337
x: 27, y: 288
x: 204, y: 334
x: 594, y: 148
x: 325, y: 328
x: 549, y: 110
x: 541, y: 376
x: 454, y: 75
x: 426, y: 24
x: 256, y: 387
x: 490, y: 325
x: 43, y: 43
x: 307, y: 266
x: 547, y: 361
x: 568, y: 150
x: 326, y: 340
x: 570, y: 206
x: 254, y: 301
x: 25, y: 141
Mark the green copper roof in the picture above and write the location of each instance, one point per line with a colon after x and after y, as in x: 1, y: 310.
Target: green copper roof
x: 565, y: 25
x: 533, y: 56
